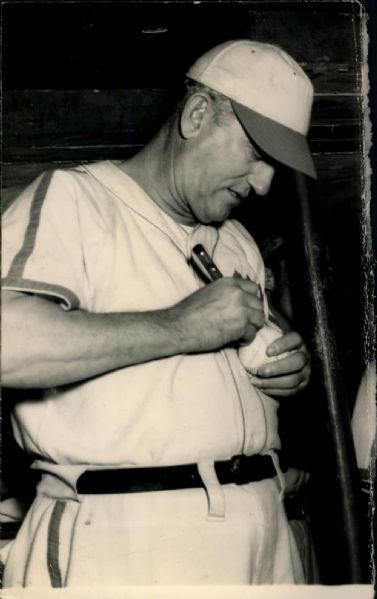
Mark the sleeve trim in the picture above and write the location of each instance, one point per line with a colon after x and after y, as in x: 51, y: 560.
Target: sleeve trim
x: 67, y: 298
x: 19, y: 261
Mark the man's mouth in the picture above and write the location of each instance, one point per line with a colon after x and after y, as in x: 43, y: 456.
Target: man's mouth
x: 240, y: 195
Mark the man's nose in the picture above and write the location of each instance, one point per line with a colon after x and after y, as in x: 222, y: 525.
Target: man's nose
x: 260, y: 177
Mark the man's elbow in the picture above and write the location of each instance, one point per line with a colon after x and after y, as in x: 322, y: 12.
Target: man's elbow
x: 12, y: 370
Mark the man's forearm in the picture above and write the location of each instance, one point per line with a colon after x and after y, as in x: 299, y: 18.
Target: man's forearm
x: 44, y: 346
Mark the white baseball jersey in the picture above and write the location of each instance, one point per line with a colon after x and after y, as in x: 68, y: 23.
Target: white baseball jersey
x: 91, y: 239
x: 95, y: 241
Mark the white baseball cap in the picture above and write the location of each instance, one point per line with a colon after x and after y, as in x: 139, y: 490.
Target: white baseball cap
x: 270, y: 94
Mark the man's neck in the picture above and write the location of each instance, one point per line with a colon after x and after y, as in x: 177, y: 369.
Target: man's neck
x: 153, y: 168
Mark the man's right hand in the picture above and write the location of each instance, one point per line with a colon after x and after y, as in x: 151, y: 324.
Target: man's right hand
x: 226, y: 311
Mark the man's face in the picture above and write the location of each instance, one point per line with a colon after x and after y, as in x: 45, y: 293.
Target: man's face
x: 221, y: 170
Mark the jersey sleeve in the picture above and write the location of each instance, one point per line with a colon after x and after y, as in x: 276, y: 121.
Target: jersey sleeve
x: 41, y: 241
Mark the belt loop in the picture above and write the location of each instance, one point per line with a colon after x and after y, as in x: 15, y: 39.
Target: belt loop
x: 52, y: 485
x: 215, y: 492
x: 275, y: 458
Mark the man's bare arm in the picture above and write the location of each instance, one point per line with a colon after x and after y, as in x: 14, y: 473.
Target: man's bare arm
x: 44, y: 346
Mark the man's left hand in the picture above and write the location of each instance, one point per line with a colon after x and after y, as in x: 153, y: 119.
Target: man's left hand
x: 288, y: 375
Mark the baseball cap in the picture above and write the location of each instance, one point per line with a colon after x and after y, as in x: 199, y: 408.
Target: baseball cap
x: 270, y: 94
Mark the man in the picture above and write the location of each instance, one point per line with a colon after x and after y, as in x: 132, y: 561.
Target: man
x: 147, y: 403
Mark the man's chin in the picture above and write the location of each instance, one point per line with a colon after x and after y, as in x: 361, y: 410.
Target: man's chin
x: 219, y: 219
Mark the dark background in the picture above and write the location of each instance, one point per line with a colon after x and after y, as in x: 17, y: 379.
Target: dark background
x: 92, y: 80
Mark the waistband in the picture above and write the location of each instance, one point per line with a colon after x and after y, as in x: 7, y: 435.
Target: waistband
x: 239, y: 470
x: 80, y: 481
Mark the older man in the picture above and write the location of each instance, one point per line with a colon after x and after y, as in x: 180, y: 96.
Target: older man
x: 152, y: 423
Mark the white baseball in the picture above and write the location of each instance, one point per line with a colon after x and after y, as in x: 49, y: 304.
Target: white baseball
x: 254, y: 355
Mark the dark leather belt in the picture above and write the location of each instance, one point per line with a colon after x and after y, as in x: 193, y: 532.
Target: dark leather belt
x: 239, y: 470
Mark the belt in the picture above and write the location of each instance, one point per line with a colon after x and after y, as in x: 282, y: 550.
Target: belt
x: 239, y: 470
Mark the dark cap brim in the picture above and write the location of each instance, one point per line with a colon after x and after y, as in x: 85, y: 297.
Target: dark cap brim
x: 281, y: 143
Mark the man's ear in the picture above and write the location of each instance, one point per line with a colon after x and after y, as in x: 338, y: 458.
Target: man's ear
x: 194, y: 114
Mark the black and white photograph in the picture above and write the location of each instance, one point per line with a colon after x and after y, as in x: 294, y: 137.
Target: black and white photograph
x: 188, y: 323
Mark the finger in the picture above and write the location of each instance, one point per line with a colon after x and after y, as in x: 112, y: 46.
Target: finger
x: 252, y: 301
x: 249, y: 286
x: 287, y: 382
x: 288, y: 342
x: 249, y: 335
x: 283, y: 392
x: 255, y: 312
x: 294, y: 363
x: 283, y: 385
